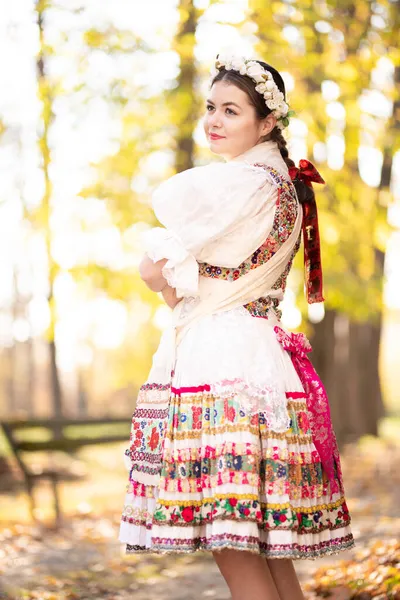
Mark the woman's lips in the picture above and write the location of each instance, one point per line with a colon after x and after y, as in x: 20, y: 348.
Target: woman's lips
x: 214, y: 136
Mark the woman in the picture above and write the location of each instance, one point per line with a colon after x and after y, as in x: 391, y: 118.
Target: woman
x: 232, y: 448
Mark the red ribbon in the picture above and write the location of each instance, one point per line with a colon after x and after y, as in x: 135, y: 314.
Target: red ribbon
x: 317, y: 405
x: 312, y: 249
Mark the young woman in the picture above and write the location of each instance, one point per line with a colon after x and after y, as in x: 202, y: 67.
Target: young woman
x: 232, y: 449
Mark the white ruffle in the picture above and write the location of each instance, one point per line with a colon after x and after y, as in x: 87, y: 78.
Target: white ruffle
x: 182, y: 270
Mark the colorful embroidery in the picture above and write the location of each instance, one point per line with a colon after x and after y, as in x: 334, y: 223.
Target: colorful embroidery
x: 231, y: 508
x: 146, y: 440
x: 302, y: 520
x: 275, y: 465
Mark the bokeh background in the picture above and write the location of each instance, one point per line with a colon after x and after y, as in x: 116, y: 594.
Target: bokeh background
x: 101, y: 101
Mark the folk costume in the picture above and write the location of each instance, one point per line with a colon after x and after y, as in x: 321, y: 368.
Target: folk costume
x: 231, y: 441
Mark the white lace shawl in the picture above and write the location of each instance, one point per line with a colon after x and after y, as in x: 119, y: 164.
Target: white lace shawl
x: 219, y: 214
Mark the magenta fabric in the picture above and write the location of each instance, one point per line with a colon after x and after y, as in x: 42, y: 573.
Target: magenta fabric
x: 317, y: 404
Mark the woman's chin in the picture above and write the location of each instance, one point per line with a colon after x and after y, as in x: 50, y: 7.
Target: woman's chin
x: 216, y: 147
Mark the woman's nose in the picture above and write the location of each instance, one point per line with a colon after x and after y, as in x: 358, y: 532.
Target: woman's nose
x: 214, y: 119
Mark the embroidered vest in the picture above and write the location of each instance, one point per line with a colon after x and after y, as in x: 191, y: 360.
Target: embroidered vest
x: 284, y: 220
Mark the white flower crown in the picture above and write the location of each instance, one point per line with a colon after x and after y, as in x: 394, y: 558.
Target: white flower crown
x: 266, y: 86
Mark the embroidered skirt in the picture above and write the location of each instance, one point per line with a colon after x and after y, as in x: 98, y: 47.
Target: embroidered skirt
x: 222, y: 456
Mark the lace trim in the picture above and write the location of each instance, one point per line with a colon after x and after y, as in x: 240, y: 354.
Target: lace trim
x: 268, y: 401
x: 294, y: 551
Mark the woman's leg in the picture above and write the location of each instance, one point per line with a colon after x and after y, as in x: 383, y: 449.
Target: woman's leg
x: 246, y: 574
x: 285, y: 578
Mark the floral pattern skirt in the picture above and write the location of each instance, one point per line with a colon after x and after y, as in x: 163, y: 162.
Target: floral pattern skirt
x: 222, y: 455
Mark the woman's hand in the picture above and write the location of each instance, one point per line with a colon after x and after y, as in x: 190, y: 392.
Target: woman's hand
x: 151, y: 273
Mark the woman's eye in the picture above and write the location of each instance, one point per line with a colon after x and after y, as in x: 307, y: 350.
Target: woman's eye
x: 229, y: 111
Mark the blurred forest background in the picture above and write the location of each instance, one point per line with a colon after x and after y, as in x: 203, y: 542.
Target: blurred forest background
x: 101, y: 101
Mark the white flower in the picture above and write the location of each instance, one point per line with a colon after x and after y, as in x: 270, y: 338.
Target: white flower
x: 237, y: 63
x: 270, y: 84
x: 273, y: 103
x: 261, y: 88
x: 283, y: 108
x: 255, y: 71
x: 267, y: 95
x: 225, y: 60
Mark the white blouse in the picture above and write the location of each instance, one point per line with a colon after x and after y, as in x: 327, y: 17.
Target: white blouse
x: 219, y: 214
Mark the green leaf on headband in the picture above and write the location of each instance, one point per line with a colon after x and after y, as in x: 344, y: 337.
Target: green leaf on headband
x: 285, y: 121
x: 291, y: 113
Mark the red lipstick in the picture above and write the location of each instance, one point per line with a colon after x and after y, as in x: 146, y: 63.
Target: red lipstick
x: 214, y: 136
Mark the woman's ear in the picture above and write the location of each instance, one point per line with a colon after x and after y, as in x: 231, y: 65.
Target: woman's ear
x: 268, y: 124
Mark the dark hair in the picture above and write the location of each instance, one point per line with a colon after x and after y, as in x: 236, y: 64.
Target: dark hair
x: 247, y: 85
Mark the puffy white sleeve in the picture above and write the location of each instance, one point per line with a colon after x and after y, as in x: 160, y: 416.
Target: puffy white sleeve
x: 219, y: 214
x: 181, y: 271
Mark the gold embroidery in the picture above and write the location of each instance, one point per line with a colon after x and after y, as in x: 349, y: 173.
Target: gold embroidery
x: 303, y: 509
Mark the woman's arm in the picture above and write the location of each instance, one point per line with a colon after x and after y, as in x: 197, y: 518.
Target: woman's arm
x: 169, y: 295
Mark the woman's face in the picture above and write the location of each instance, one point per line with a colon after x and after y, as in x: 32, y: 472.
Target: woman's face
x: 230, y: 124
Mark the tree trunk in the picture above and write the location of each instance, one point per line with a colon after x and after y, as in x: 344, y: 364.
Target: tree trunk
x: 345, y: 355
x: 184, y: 96
x: 82, y: 394
x: 45, y: 95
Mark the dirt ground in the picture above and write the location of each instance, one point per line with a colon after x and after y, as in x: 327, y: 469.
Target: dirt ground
x: 84, y: 560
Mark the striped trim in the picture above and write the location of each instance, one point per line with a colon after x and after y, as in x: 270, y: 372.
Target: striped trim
x: 211, y: 499
x: 247, y: 427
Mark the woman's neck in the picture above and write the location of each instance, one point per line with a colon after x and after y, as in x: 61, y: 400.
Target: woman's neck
x: 258, y: 153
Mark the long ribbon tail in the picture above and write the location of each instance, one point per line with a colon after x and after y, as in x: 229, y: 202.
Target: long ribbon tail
x: 312, y: 248
x: 312, y: 253
x: 321, y: 427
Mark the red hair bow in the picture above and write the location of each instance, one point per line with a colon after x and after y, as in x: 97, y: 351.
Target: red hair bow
x: 312, y: 249
x: 306, y: 172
